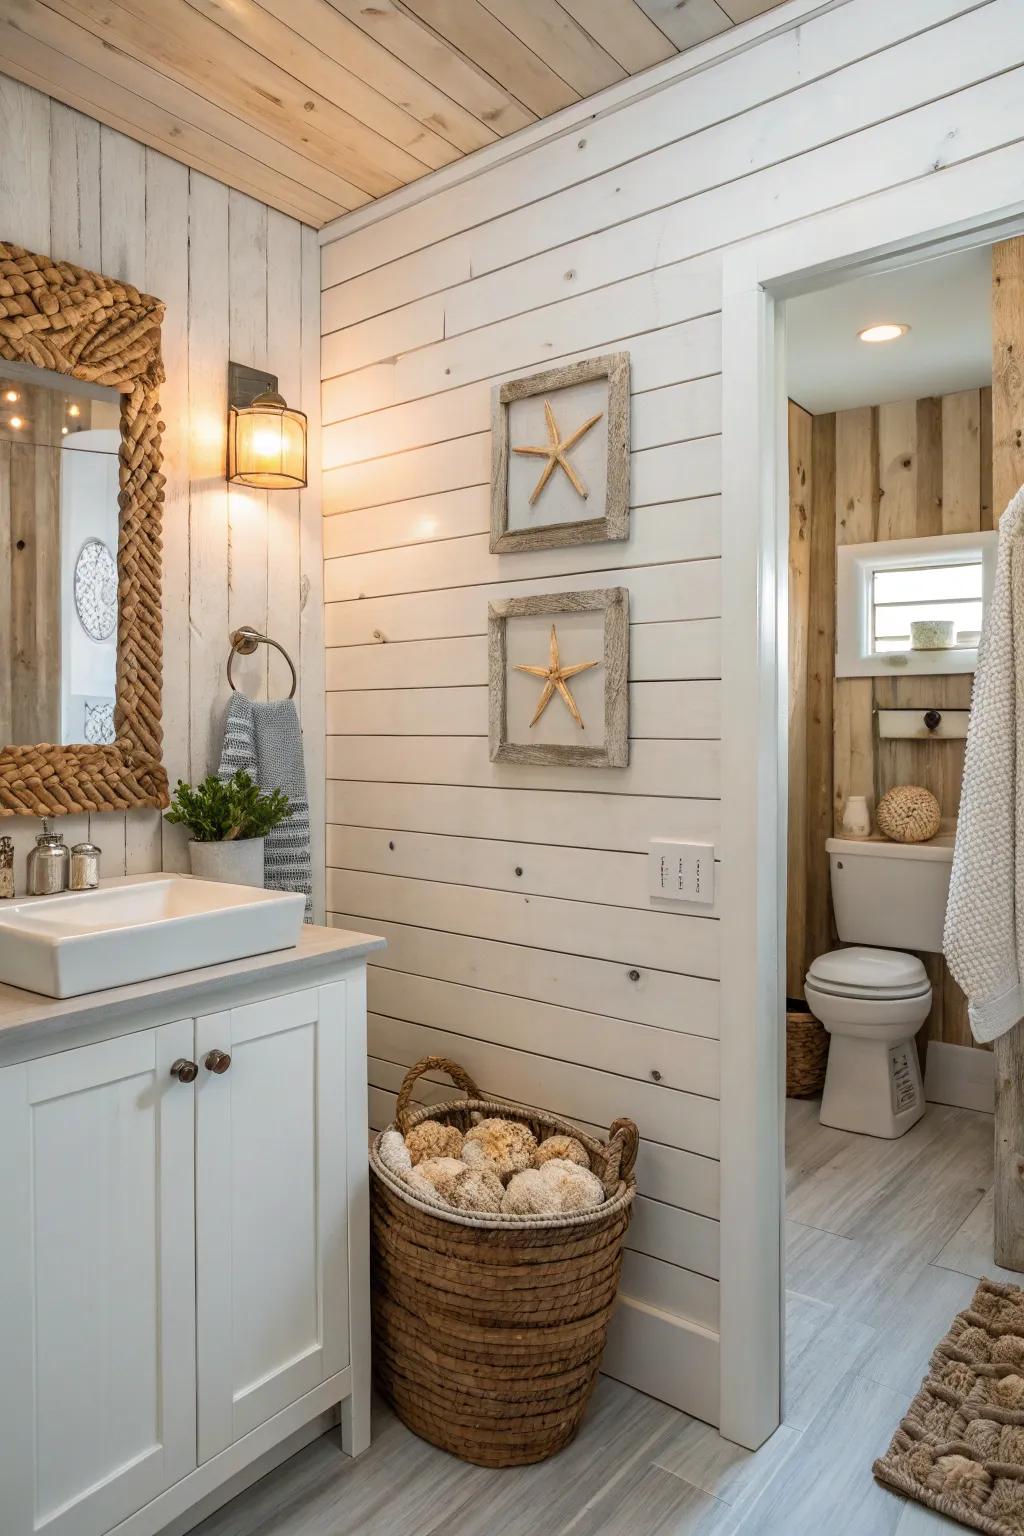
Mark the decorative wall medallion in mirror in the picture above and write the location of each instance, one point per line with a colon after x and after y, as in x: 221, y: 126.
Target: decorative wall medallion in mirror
x: 81, y: 656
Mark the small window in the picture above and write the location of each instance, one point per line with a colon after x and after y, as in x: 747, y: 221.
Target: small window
x: 882, y: 590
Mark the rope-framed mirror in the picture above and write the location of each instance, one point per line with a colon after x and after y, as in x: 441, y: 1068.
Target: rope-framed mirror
x: 67, y: 320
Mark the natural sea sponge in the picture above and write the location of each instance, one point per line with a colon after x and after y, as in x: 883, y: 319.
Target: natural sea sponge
x: 422, y: 1187
x: 432, y: 1139
x: 566, y: 1147
x: 556, y: 1188
x: 578, y: 1189
x: 394, y: 1153
x: 464, y: 1188
x: 478, y: 1189
x: 505, y: 1146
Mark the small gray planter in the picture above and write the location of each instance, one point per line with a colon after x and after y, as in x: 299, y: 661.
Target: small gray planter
x: 236, y: 863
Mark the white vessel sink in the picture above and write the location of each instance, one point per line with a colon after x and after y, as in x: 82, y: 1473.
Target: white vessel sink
x: 139, y: 927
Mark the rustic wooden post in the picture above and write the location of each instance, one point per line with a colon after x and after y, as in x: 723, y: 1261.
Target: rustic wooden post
x: 1007, y: 477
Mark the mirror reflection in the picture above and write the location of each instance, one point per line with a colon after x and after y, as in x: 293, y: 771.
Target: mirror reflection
x: 59, y: 441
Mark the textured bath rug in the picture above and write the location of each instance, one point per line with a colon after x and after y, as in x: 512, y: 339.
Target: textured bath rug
x: 960, y: 1448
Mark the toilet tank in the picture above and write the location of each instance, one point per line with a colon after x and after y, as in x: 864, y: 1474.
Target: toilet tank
x: 891, y: 894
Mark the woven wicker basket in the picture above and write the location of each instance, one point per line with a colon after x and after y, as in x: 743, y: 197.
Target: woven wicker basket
x: 488, y: 1330
x: 806, y: 1054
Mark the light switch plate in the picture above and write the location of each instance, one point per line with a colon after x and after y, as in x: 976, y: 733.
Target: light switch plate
x: 681, y: 871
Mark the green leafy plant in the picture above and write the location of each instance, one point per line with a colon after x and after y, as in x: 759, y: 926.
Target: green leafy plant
x: 220, y: 810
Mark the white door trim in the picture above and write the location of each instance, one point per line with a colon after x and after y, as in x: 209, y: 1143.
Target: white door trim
x: 976, y: 203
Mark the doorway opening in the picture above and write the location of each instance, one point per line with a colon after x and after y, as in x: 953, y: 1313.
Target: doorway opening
x: 890, y: 552
x: 764, y: 283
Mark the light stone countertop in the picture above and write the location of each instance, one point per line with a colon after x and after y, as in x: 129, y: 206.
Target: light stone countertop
x: 29, y: 1018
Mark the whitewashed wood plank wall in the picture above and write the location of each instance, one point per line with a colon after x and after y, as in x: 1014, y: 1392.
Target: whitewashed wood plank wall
x: 241, y: 281
x: 521, y: 937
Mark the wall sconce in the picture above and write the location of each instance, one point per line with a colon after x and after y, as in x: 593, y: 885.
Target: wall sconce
x: 266, y: 440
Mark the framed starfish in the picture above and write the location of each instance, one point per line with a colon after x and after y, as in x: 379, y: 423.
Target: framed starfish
x: 556, y: 681
x: 555, y: 450
x: 600, y: 508
x: 606, y: 741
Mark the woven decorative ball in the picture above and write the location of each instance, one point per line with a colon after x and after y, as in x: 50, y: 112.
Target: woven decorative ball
x: 908, y: 814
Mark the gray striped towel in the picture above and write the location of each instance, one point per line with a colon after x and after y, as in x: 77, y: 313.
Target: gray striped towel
x: 265, y: 739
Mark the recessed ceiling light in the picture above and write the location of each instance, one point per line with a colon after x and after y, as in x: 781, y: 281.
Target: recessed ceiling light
x: 890, y: 331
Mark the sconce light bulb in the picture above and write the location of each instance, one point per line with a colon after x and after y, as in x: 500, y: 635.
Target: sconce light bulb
x: 12, y: 397
x: 74, y: 410
x: 16, y: 422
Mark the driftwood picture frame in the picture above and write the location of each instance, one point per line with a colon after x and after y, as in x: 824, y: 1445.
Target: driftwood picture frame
x: 65, y: 318
x: 611, y: 669
x: 577, y: 419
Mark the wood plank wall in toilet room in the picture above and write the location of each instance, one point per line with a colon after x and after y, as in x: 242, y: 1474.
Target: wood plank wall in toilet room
x: 239, y: 280
x: 895, y: 471
x: 601, y: 235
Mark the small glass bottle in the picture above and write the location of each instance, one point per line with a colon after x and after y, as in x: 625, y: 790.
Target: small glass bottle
x: 6, y: 868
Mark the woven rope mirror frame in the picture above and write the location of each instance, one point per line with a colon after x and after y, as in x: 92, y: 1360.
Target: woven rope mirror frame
x: 65, y: 318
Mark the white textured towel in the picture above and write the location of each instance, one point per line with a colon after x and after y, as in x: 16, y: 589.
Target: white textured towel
x: 265, y: 739
x: 984, y: 937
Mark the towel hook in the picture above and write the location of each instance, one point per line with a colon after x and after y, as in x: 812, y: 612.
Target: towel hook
x: 245, y: 640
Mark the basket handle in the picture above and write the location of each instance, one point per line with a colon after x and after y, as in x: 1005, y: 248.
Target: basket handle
x: 623, y: 1145
x: 459, y: 1076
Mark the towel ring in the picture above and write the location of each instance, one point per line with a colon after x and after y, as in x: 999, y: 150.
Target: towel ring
x: 245, y: 640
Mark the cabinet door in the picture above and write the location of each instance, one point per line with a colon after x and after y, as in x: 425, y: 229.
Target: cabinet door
x: 270, y: 1209
x: 97, y: 1283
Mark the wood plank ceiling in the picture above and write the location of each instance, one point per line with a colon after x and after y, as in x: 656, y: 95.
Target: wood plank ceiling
x: 319, y: 106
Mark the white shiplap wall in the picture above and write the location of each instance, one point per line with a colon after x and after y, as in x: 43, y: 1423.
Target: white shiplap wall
x: 607, y: 235
x: 241, y: 281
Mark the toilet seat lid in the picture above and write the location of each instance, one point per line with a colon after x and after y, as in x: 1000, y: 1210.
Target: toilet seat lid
x: 861, y: 971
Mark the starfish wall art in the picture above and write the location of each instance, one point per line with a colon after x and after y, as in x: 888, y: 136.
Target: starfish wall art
x: 581, y: 493
x: 556, y: 681
x: 522, y: 728
x: 555, y: 450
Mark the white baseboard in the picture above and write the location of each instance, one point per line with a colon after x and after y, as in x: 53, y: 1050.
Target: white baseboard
x: 665, y: 1356
x: 961, y: 1075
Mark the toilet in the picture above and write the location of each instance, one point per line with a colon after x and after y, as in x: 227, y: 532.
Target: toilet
x: 871, y: 997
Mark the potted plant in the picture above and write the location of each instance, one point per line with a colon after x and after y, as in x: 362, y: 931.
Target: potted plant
x: 228, y: 820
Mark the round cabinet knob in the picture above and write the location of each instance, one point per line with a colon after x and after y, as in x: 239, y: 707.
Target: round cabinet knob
x: 184, y: 1070
x: 217, y: 1061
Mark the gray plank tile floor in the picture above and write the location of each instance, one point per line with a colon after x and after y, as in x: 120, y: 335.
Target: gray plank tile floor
x: 885, y: 1241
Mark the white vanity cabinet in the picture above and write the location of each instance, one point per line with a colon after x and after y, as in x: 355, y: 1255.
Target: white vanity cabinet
x: 183, y: 1253
x: 97, y: 1310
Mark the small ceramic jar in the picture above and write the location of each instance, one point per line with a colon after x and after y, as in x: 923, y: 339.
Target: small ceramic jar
x: 856, y: 817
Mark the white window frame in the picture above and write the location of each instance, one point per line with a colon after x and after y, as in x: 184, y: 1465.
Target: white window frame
x: 856, y: 565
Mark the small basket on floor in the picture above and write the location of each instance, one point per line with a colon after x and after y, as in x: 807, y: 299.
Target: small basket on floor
x: 806, y: 1052
x: 488, y: 1330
